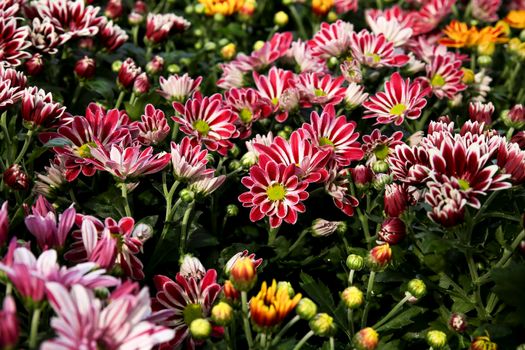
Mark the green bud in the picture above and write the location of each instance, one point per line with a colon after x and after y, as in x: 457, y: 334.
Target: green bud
x: 355, y: 262
x: 200, y: 329
x: 115, y: 66
x: 174, y: 68
x: 187, y: 195
x: 189, y: 9
x: 522, y: 35
x: 352, y: 297
x: 234, y: 165
x: 222, y: 314
x: 223, y: 42
x: 484, y: 61
x: 280, y: 19
x: 199, y: 8
x: 234, y: 151
x: 306, y: 309
x: 288, y: 2
x: 210, y: 46
x: 218, y: 17
x: 198, y: 32
x: 322, y: 325
x: 417, y: 288
x: 248, y: 159
x: 185, y: 61
x: 232, y: 210
x: 436, y: 339
x: 198, y: 45
x: 288, y: 286
x: 283, y: 134
x: 342, y: 227
x: 333, y: 62
x: 380, y: 166
x: 331, y: 16
x: 258, y: 44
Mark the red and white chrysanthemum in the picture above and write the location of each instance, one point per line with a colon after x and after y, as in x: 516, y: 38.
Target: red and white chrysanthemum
x: 393, y: 31
x: 272, y: 50
x: 322, y: 89
x: 332, y: 40
x: 310, y: 161
x: 249, y: 106
x: 274, y: 191
x: 38, y: 107
x: 111, y: 35
x: 486, y: 10
x: 375, y: 50
x: 430, y: 15
x: 160, y: 26
x: 207, y: 185
x: 481, y: 112
x: 13, y: 41
x: 207, y: 120
x: 272, y: 87
x: 344, y: 6
x: 153, y: 127
x: 378, y: 146
x: 337, y: 188
x: 334, y: 133
x: 179, y: 302
x: 355, y: 95
x: 401, y: 99
x: 44, y: 36
x: 84, y: 322
x: 232, y: 76
x: 511, y: 160
x: 178, y: 88
x: 301, y: 55
x: 189, y: 160
x: 444, y: 75
x: 447, y: 204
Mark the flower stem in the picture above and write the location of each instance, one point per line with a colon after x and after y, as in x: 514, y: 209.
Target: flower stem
x: 246, y: 322
x: 120, y: 98
x: 332, y: 343
x: 368, y: 295
x: 184, y: 229
x: 272, y: 234
x: 299, y: 239
x: 351, y: 277
x: 392, y: 312
x: 284, y: 329
x: 35, y: 320
x: 477, y: 293
x: 303, y: 340
x: 298, y: 21
x: 76, y: 94
x: 124, y: 190
x: 23, y: 151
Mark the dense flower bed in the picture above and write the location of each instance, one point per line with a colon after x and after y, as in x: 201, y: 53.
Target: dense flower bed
x: 242, y: 174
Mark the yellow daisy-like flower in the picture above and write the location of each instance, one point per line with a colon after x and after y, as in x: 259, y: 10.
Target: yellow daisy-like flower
x: 517, y: 46
x: 459, y: 34
x: 223, y: 7
x: 321, y: 7
x: 516, y: 19
x: 271, y: 306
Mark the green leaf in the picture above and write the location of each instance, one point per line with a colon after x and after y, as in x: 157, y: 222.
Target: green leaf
x: 510, y: 284
x: 58, y: 142
x: 403, y: 319
x: 103, y: 87
x: 393, y: 345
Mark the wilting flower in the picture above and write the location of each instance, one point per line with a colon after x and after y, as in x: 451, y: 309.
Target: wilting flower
x: 178, y: 88
x: 392, y: 231
x: 335, y: 133
x: 272, y: 87
x: 52, y: 179
x: 375, y: 50
x: 316, y: 88
x: 153, y: 127
x: 271, y: 305
x: 274, y: 191
x: 178, y: 303
x: 9, y: 326
x: 399, y: 100
x: 44, y: 36
x: 159, y: 26
x: 189, y: 160
x: 444, y: 76
x: 16, y: 178
x: 111, y: 35
x: 337, y: 187
x: 324, y: 228
x: 332, y: 40
x: 121, y: 323
x: 38, y: 107
x: 481, y: 112
x: 128, y: 73
x: 207, y: 120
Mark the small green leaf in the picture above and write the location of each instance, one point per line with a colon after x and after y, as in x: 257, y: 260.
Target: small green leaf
x: 58, y: 142
x: 403, y: 319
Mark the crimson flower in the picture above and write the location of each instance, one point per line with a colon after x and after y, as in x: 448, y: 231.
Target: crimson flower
x: 189, y: 160
x: 272, y: 87
x: 38, y: 107
x: 111, y: 35
x: 249, y: 106
x: 178, y: 88
x: 159, y: 26
x: 378, y: 146
x: 401, y: 99
x: 128, y: 72
x: 44, y: 36
x: 481, y: 112
x: 447, y: 203
x: 274, y: 191
x: 375, y: 50
x: 13, y: 41
x: 444, y: 75
x: 153, y: 128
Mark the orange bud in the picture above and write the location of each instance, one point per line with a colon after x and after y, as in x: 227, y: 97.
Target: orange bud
x: 243, y: 274
x: 380, y: 256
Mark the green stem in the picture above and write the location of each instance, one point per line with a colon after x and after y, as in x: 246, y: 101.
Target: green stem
x: 477, y: 292
x: 120, y: 98
x: 491, y: 303
x: 509, y: 133
x: 285, y: 329
x: 27, y: 142
x: 351, y: 277
x: 124, y: 190
x: 392, y: 312
x: 35, y: 320
x: 76, y: 94
x: 379, y: 4
x: 135, y: 35
x: 184, y: 229
x: 332, y: 343
x: 272, y: 234
x: 299, y: 239
x: 246, y: 322
x: 350, y: 315
x: 299, y: 22
x: 368, y: 296
x: 227, y: 338
x: 303, y: 340
x: 132, y: 99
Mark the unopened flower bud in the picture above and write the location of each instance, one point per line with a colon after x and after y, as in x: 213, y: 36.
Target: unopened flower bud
x: 229, y: 291
x: 248, y: 159
x: 306, y: 309
x: 483, y: 343
x: 522, y: 247
x: 287, y: 286
x: 199, y: 8
x: 331, y: 16
x: 436, y: 339
x: 332, y: 62
x: 222, y: 314
x: 243, y: 274
x: 323, y: 228
x: 258, y: 44
x: 322, y: 325
x: 86, y: 43
x: 280, y: 19
x: 355, y: 262
x: 232, y: 210
x: 395, y: 200
x: 352, y: 297
x: 362, y: 177
x: 16, y: 178
x: 484, y: 61
x: 155, y: 66
x: 366, y: 339
x: 187, y: 195
x: 142, y: 232
x: 380, y: 166
x: 218, y: 17
x: 115, y: 66
x: 229, y: 51
x: 200, y: 329
x: 468, y: 76
x: 234, y: 165
x: 392, y: 231
x: 113, y: 9
x: 381, y: 180
x: 417, y: 288
x: 174, y: 69
x: 458, y: 322
x: 141, y: 85
x: 34, y: 65
x: 380, y: 256
x: 210, y: 46
x: 85, y: 68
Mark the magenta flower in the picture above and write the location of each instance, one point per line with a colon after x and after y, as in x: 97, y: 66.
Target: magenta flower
x: 153, y: 128
x: 376, y: 51
x: 272, y: 50
x: 189, y: 160
x: 178, y: 88
x: 486, y: 10
x: 271, y: 87
x: 317, y: 88
x: 447, y: 203
x: 38, y: 107
x: 111, y: 35
x: 337, y: 188
x: 332, y: 40
x: 249, y: 106
x: 4, y: 223
x: 159, y: 26
x: 378, y: 146
x: 395, y: 199
x: 84, y: 322
x: 274, y: 191
x: 481, y: 112
x: 44, y: 36
x: 430, y: 15
x: 444, y: 75
x: 13, y: 41
x: 180, y: 302
x: 511, y: 159
x: 9, y: 327
x: 208, y: 121
x: 128, y: 72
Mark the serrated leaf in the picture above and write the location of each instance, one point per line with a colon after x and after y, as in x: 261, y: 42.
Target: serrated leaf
x: 403, y: 319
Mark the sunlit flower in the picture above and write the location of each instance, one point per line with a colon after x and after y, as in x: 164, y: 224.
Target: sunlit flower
x: 271, y: 305
x: 459, y: 34
x: 178, y: 88
x: 223, y: 7
x: 332, y: 40
x: 375, y: 50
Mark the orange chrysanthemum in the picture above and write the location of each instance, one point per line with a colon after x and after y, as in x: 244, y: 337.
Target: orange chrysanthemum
x: 458, y: 35
x: 516, y: 19
x: 321, y: 7
x: 223, y: 7
x: 271, y: 306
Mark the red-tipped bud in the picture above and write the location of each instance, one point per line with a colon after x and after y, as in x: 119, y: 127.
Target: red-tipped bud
x: 16, y: 178
x: 458, y: 322
x: 380, y: 256
x: 362, y: 176
x: 113, y: 9
x: 128, y: 72
x: 395, y: 200
x: 141, y: 85
x: 156, y: 65
x: 85, y: 68
x: 35, y: 65
x: 230, y: 292
x: 243, y: 274
x: 392, y: 231
x: 140, y: 7
x: 366, y: 339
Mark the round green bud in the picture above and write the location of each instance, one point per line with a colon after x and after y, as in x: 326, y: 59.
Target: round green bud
x: 280, y: 19
x: 218, y: 17
x: 333, y: 62
x: 323, y: 325
x: 258, y: 44
x: 223, y: 42
x: 342, y: 227
x: 174, y: 68
x: 288, y: 286
x: 355, y: 262
x: 417, y: 288
x: 222, y: 314
x: 199, y: 8
x: 210, y: 46
x: 234, y: 165
x: 198, y: 32
x: 436, y: 339
x: 198, y: 45
x: 306, y: 309
x: 200, y: 329
x: 187, y: 195
x: 484, y: 61
x: 189, y: 9
x: 185, y: 61
x: 115, y: 66
x: 380, y: 166
x: 352, y: 297
x: 331, y: 16
x: 283, y: 134
x: 234, y: 151
x: 232, y: 210
x: 287, y: 2
x: 248, y: 159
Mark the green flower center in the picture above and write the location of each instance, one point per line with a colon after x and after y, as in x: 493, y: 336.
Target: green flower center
x: 463, y: 184
x: 398, y: 109
x: 276, y: 192
x: 325, y: 141
x: 319, y: 92
x: 381, y: 152
x: 84, y: 151
x: 202, y: 127
x: 437, y: 80
x: 375, y: 57
x: 191, y: 313
x: 275, y: 101
x: 245, y: 115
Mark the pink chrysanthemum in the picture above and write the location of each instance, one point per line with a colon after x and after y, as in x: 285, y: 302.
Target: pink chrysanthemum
x: 401, y: 99
x: 375, y: 50
x: 378, y: 146
x: 272, y: 87
x: 332, y: 40
x: 153, y: 128
x: 444, y: 75
x: 178, y: 88
x: 337, y: 188
x: 301, y: 55
x: 275, y: 192
x: 486, y: 10
x: 344, y: 6
x: 316, y: 88
x: 44, y: 36
x: 207, y: 120
x: 38, y: 107
x: 189, y: 160
x: 430, y: 15
x: 481, y: 112
x: 249, y: 106
x: 160, y: 26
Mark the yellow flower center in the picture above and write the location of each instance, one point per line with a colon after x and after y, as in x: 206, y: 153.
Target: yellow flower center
x: 276, y: 192
x: 319, y: 92
x: 202, y: 127
x: 437, y: 80
x: 191, y: 312
x: 381, y: 152
x: 375, y: 57
x: 84, y: 151
x: 245, y: 115
x: 398, y: 109
x: 275, y: 101
x: 463, y: 184
x: 325, y: 141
